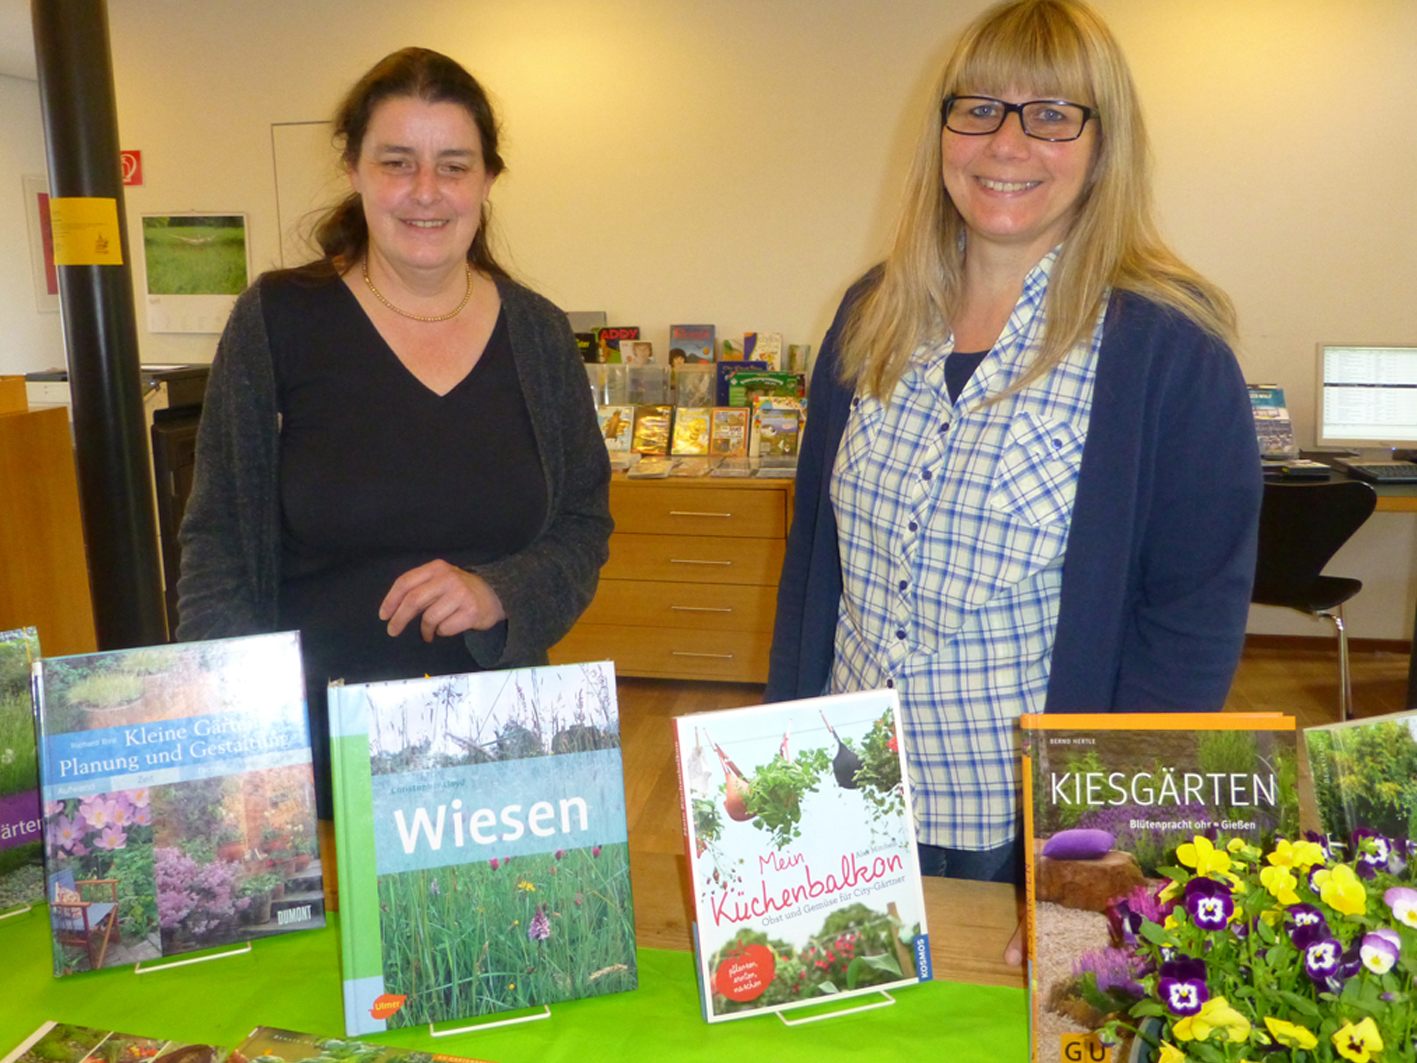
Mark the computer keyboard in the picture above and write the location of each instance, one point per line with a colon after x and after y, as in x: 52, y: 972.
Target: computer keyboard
x: 1381, y: 472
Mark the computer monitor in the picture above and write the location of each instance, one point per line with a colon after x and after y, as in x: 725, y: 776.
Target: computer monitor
x: 1367, y: 396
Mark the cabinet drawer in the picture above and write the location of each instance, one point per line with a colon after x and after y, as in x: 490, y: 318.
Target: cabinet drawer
x: 698, y: 606
x: 694, y: 559
x: 665, y: 509
x: 731, y: 656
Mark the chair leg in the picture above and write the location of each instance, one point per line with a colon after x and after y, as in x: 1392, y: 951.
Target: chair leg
x: 1345, y: 678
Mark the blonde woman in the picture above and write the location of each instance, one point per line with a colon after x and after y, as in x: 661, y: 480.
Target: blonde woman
x: 1031, y: 481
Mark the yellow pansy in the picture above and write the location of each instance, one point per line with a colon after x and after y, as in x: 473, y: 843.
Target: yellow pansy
x: 1203, y: 856
x: 1289, y: 1034
x: 1170, y: 1054
x: 1358, y: 1043
x: 1341, y: 889
x: 1280, y: 882
x: 1216, y: 1014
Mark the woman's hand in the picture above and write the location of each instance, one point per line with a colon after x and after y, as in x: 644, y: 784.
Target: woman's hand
x: 1013, y: 951
x: 449, y: 600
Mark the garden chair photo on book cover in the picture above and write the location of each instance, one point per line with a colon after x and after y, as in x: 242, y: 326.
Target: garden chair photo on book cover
x: 499, y: 874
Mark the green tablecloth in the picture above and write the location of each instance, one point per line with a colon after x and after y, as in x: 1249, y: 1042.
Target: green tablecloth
x: 293, y: 982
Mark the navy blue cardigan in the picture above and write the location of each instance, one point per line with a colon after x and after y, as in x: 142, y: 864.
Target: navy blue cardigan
x: 1161, y: 553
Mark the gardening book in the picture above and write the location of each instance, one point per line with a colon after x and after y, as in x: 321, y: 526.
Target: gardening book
x: 691, y: 343
x: 1107, y: 800
x: 179, y: 800
x: 743, y: 386
x: 1364, y: 782
x: 268, y: 1044
x: 62, y: 1042
x: 802, y: 853
x: 21, y: 840
x: 482, y: 847
x: 725, y: 371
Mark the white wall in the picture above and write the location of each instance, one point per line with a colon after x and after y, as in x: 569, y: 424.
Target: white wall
x: 738, y: 161
x: 29, y: 339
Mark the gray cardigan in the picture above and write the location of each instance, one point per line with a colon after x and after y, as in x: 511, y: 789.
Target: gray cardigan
x: 231, y: 532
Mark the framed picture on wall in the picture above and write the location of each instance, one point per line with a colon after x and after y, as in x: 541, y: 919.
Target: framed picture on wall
x: 46, y: 277
x: 195, y: 265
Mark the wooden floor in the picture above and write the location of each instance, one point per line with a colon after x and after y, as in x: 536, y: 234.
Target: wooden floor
x: 1289, y: 678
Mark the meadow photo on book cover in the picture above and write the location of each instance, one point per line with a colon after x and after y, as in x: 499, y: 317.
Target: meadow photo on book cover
x: 1114, y: 805
x: 178, y: 799
x: 484, y: 864
x: 21, y: 839
x: 802, y: 853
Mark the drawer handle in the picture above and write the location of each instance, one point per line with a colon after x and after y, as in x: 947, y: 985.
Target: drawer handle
x: 695, y: 513
x: 696, y: 561
x: 700, y: 609
x: 690, y: 653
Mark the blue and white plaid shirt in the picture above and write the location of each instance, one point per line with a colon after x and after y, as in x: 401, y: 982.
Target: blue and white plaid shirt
x: 952, y: 520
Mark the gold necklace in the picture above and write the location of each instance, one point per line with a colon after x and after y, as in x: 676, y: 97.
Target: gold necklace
x: 454, y: 312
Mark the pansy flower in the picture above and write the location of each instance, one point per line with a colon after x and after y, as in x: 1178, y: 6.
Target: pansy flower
x: 1340, y: 889
x: 1358, y: 1043
x: 1403, y: 902
x: 1202, y: 855
x: 1170, y: 1054
x: 1182, y: 986
x: 1209, y: 902
x: 1280, y: 882
x: 1305, y: 915
x: 1371, y: 850
x: 1290, y: 1035
x: 1295, y: 854
x: 1215, y: 1015
x: 1379, y: 950
x: 1321, y: 956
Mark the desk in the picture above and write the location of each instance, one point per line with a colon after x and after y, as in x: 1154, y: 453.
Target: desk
x: 293, y: 982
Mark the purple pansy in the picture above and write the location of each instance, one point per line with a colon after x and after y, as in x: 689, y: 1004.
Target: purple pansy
x: 1209, y: 903
x: 1182, y: 986
x: 1379, y: 950
x: 1372, y: 852
x: 1322, y: 954
x: 1302, y: 916
x: 1403, y: 902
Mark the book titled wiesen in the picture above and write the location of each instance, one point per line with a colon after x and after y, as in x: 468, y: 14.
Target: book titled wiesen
x: 1108, y: 799
x: 21, y: 841
x: 802, y: 853
x: 178, y: 797
x: 1364, y: 775
x: 482, y: 847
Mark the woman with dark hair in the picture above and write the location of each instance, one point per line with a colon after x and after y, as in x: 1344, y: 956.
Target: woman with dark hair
x: 1030, y: 482
x: 398, y: 454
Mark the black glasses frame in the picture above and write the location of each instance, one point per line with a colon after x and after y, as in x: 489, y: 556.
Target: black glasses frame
x: 1088, y: 114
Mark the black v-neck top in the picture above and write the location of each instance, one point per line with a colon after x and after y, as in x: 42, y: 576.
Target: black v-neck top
x: 379, y: 474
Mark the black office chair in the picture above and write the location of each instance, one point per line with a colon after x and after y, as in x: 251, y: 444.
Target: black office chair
x: 1302, y: 525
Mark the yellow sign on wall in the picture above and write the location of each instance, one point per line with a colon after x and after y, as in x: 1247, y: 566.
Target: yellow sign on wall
x: 85, y: 231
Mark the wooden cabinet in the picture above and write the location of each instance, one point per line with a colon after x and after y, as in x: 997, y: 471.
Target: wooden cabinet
x: 690, y: 589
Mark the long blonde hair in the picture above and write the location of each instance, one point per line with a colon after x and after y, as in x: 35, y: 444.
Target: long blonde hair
x: 1053, y: 47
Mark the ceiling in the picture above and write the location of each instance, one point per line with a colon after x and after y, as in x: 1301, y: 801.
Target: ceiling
x: 16, y: 39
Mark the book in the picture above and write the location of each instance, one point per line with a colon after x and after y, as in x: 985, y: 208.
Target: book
x: 726, y: 371
x: 776, y: 423
x: 651, y: 468
x: 799, y: 357
x: 686, y: 468
x: 734, y: 467
x: 21, y: 840
x: 1364, y: 780
x: 178, y: 799
x: 637, y: 352
x: 802, y: 857
x: 691, y: 431
x: 1273, y: 427
x: 728, y: 431
x: 1107, y: 800
x: 63, y: 1042
x: 765, y: 347
x: 616, y: 425
x: 732, y: 351
x: 652, y: 429
x: 744, y: 386
x: 690, y: 344
x: 272, y: 1045
x: 482, y: 845
x: 608, y: 337
x: 587, y: 345
x: 693, y: 385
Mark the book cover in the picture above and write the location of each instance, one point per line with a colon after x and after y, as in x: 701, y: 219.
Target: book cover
x: 482, y: 846
x: 799, y: 357
x: 587, y: 345
x: 268, y: 1044
x: 732, y: 351
x: 1273, y: 427
x: 765, y: 347
x: 652, y: 429
x: 1108, y: 799
x: 802, y: 855
x: 776, y: 424
x: 726, y: 370
x: 616, y: 425
x: 178, y: 799
x: 728, y: 431
x: 63, y: 1042
x: 693, y: 385
x: 637, y: 352
x: 21, y: 839
x: 1364, y: 775
x: 743, y: 386
x: 691, y: 344
x: 608, y: 337
x: 691, y: 431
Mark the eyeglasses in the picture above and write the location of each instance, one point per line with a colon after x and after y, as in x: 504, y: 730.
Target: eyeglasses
x: 978, y: 116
